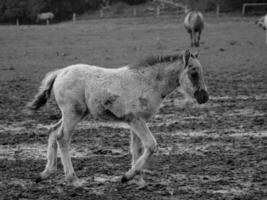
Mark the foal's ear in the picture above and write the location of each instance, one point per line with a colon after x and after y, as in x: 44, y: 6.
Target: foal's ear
x: 196, y: 54
x: 186, y: 57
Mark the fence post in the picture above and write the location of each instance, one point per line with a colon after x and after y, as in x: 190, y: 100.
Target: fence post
x: 134, y: 12
x: 163, y: 5
x: 158, y: 11
x: 101, y: 13
x: 73, y: 17
x: 47, y: 22
x: 17, y: 21
x: 218, y: 10
x: 243, y: 9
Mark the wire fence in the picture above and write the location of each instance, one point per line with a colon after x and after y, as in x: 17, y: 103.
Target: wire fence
x: 168, y: 10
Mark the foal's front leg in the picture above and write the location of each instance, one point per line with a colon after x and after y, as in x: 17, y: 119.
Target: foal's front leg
x: 136, y: 151
x: 149, y: 145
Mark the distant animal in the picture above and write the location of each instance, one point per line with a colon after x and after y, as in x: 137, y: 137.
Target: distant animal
x: 262, y: 22
x: 49, y: 16
x: 131, y: 94
x: 194, y: 24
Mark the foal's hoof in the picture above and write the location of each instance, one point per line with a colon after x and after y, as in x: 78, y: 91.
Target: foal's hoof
x: 78, y: 183
x: 38, y: 179
x: 124, y: 179
x: 139, y: 181
x: 75, y: 181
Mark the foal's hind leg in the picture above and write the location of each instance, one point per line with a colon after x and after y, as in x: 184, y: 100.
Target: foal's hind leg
x: 136, y: 151
x: 51, y: 165
x: 70, y: 119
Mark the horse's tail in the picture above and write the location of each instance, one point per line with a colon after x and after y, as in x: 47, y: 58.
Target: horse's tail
x: 44, y: 92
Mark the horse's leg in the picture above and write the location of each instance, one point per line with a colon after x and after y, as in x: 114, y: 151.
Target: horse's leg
x: 194, y: 38
x: 136, y: 151
x: 149, y: 144
x: 191, y: 38
x: 70, y: 120
x: 51, y: 165
x: 198, y: 38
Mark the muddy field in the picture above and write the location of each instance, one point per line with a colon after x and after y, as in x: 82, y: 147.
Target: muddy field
x: 215, y: 151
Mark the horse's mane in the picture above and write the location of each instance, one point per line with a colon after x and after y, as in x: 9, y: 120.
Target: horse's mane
x: 155, y: 59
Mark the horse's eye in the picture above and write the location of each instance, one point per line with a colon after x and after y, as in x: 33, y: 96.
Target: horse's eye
x: 190, y: 66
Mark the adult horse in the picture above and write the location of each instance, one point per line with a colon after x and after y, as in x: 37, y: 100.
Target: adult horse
x: 262, y: 22
x: 45, y: 17
x: 130, y: 94
x: 194, y: 24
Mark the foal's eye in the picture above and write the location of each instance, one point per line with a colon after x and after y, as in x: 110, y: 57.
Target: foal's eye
x: 194, y: 75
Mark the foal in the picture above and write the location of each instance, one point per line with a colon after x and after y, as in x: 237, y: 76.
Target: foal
x: 194, y: 24
x: 130, y: 94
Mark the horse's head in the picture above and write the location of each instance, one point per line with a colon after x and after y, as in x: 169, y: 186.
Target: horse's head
x: 260, y: 23
x: 191, y: 78
x: 187, y: 9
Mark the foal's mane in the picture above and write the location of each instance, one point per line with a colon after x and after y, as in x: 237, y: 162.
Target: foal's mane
x: 155, y: 59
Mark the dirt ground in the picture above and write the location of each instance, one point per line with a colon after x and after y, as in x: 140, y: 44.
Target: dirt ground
x: 215, y: 151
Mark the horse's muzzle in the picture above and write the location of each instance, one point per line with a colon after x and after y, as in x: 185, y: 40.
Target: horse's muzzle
x: 201, y: 96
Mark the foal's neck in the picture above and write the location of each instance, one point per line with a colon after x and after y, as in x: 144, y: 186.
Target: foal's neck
x: 171, y: 78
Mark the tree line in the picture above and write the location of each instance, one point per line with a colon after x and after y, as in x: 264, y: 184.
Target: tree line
x: 27, y: 10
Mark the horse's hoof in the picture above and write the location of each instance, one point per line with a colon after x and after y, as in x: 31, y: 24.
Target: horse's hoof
x: 38, y: 179
x: 124, y: 179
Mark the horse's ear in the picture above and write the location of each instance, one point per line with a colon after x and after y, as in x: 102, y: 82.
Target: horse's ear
x: 186, y: 57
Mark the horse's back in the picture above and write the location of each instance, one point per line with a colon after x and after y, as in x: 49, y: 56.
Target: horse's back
x: 194, y: 20
x: 45, y: 16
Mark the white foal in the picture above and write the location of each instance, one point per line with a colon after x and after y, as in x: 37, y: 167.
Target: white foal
x: 130, y: 94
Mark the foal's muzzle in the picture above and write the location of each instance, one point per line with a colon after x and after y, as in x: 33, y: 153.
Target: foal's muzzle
x: 201, y: 96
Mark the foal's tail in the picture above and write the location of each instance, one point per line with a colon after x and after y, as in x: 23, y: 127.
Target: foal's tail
x: 44, y: 92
